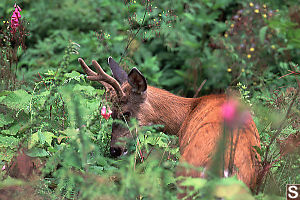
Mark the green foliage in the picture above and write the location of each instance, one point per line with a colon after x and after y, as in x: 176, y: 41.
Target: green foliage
x: 47, y: 106
x: 282, y: 108
x: 14, y: 106
x: 82, y: 159
x: 17, y: 100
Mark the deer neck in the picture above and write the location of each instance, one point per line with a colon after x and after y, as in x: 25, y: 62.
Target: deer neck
x: 168, y: 109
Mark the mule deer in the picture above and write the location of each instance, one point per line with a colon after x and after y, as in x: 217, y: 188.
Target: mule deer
x: 198, y: 122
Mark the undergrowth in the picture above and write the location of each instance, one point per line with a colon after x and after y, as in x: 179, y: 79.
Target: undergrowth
x: 52, y: 114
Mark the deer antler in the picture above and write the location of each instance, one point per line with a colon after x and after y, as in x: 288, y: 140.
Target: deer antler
x: 101, y: 76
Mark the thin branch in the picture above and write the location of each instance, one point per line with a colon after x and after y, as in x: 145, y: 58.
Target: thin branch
x: 138, y: 146
x: 164, y: 153
x: 282, y: 123
x: 199, y: 89
x: 43, y: 80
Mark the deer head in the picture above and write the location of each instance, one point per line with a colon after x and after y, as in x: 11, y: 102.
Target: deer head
x: 127, y: 96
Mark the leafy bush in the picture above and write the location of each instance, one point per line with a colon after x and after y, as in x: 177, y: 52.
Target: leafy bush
x: 48, y: 107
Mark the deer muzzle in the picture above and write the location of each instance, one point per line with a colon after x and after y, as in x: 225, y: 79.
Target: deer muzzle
x: 117, y: 151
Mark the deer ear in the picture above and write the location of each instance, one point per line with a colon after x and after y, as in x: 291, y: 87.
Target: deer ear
x: 137, y: 81
x: 118, y: 73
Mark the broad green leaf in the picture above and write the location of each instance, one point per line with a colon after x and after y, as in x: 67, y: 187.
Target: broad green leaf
x: 17, y: 100
x: 33, y: 140
x: 262, y: 34
x: 71, y: 132
x: 41, y: 137
x: 8, y: 141
x: 48, y: 136
x: 37, y: 152
x: 13, y: 130
x: 5, y: 120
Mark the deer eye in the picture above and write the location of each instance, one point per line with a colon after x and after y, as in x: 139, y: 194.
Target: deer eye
x: 126, y: 115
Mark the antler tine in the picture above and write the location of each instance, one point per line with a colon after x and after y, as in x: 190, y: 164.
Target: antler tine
x: 86, y: 69
x: 101, y: 76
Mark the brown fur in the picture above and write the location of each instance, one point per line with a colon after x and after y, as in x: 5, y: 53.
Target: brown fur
x: 198, y: 123
x: 201, y: 131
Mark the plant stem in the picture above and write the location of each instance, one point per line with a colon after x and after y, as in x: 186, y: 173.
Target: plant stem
x: 132, y: 38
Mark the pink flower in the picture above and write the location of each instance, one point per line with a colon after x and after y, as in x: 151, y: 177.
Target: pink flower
x: 14, y: 21
x: 229, y: 110
x: 3, y: 168
x: 104, y: 114
x: 235, y: 114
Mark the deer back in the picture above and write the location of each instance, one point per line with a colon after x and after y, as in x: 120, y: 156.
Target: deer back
x: 201, y: 132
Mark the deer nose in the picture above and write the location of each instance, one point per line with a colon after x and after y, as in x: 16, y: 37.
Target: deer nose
x: 115, y: 151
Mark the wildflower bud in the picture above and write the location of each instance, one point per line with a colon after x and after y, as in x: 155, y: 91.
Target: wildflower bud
x: 229, y: 111
x: 235, y: 114
x: 103, y: 110
x: 16, y: 16
x: 105, y: 114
